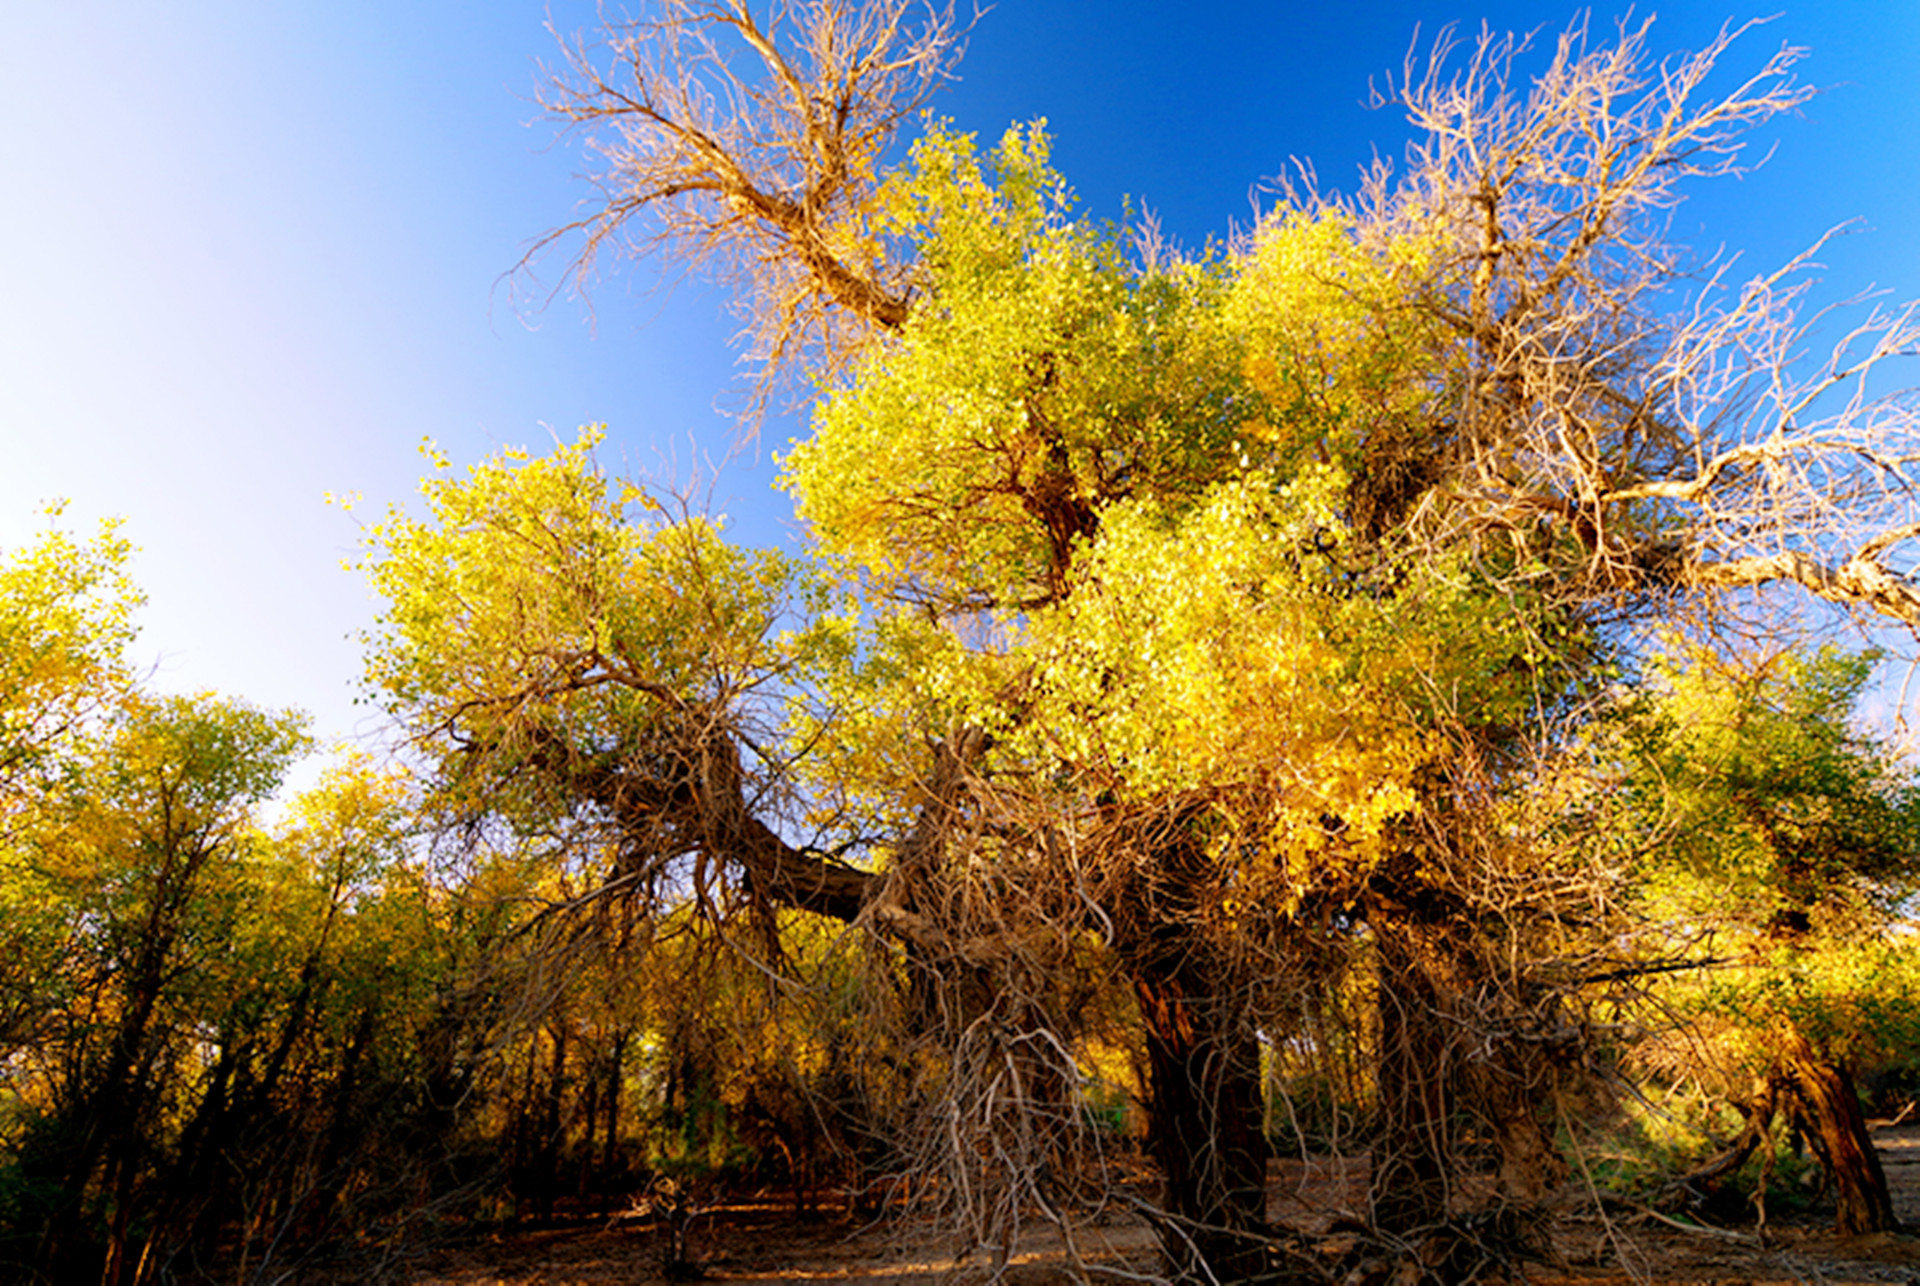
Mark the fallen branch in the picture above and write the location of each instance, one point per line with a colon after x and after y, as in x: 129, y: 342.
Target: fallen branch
x: 1646, y: 1211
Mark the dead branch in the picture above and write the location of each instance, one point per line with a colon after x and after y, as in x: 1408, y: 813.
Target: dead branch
x: 750, y: 146
x: 1697, y: 451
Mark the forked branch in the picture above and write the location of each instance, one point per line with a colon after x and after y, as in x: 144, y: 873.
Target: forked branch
x: 750, y: 146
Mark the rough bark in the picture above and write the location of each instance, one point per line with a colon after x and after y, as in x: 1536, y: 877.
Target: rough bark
x: 549, y: 1133
x: 1409, y: 1188
x: 1530, y: 1164
x: 1455, y: 1056
x: 1205, y: 1117
x: 616, y: 1072
x: 1204, y: 1121
x: 1824, y: 1090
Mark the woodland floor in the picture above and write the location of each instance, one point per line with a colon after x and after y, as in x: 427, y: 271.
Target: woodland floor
x: 766, y: 1243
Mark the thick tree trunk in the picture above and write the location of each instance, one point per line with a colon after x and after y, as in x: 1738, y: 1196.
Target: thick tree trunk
x: 1204, y: 1122
x: 551, y: 1123
x: 1413, y: 1141
x: 1826, y: 1093
x: 1510, y: 1082
x: 1431, y: 1084
x: 1205, y: 1117
x: 1531, y: 1166
x: 589, y: 1127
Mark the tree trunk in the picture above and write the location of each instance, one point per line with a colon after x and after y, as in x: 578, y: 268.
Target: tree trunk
x: 589, y: 1125
x: 1825, y: 1091
x: 1531, y: 1166
x: 1510, y: 1083
x: 1204, y: 1122
x: 551, y: 1138
x: 616, y: 1072
x: 1413, y: 1128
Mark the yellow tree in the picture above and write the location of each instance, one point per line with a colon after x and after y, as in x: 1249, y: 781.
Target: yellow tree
x: 1788, y: 843
x: 66, y: 609
x: 141, y: 858
x: 1205, y: 611
x: 65, y: 617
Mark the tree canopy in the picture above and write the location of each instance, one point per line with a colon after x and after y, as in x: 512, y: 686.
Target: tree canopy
x: 1211, y: 621
x: 1303, y: 688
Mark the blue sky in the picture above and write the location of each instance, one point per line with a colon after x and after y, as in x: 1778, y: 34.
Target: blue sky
x: 256, y: 250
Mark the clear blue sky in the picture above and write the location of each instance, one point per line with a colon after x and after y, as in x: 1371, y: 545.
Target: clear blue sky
x: 254, y: 251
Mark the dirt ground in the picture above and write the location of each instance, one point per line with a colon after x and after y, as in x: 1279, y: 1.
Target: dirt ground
x: 763, y: 1242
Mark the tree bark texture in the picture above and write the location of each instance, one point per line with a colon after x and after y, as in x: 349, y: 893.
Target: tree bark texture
x: 1825, y: 1092
x: 1205, y: 1110
x: 1530, y: 1162
x: 1204, y: 1122
x: 1413, y: 1148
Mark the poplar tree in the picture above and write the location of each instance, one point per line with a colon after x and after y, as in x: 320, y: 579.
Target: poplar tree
x: 1196, y: 620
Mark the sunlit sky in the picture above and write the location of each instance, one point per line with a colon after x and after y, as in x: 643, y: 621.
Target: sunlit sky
x: 255, y: 254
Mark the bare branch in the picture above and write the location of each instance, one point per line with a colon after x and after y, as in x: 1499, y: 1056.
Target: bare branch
x: 1703, y: 451
x: 750, y: 146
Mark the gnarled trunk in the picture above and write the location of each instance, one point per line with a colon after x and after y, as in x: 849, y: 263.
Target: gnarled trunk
x: 1825, y: 1092
x: 1531, y: 1166
x: 1204, y: 1119
x: 1413, y: 1141
x: 1433, y: 1088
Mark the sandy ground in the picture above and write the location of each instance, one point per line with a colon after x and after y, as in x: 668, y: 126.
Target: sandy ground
x: 765, y: 1243
x: 1899, y: 1148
